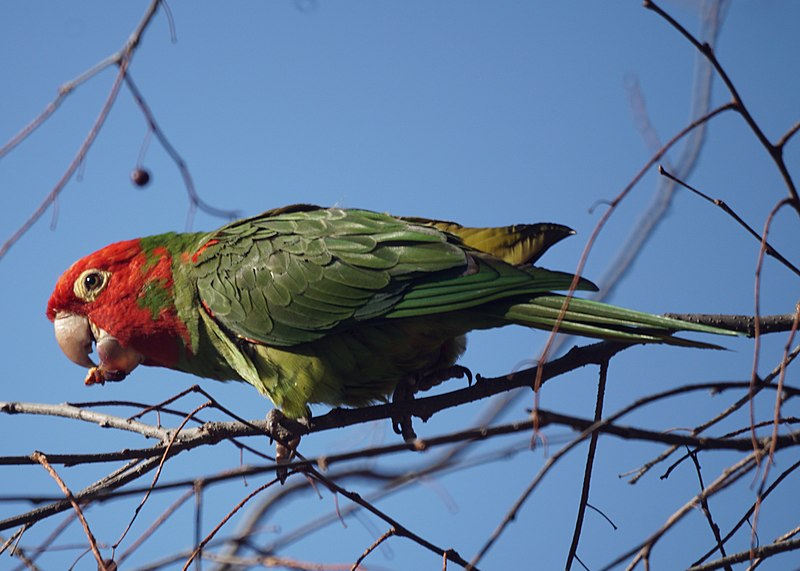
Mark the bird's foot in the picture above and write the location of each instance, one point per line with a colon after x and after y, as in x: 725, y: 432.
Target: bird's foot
x: 401, y: 422
x: 286, y: 433
x: 435, y: 378
x: 407, y: 388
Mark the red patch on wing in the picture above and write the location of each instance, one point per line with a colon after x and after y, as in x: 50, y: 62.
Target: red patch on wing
x: 202, y: 248
x: 206, y: 308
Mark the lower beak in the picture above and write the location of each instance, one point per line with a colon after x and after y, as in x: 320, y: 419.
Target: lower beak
x: 75, y: 334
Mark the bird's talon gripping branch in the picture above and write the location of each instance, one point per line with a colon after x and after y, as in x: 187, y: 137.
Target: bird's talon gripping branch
x: 286, y: 433
x: 435, y: 378
x: 403, y: 426
x: 412, y: 384
x: 404, y: 393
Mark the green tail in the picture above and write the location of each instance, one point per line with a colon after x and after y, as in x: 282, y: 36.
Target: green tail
x: 601, y: 320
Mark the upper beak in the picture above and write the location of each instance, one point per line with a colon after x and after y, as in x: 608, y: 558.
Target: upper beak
x: 75, y: 338
x: 75, y: 335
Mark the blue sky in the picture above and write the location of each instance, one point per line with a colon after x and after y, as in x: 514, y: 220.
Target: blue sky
x: 485, y: 113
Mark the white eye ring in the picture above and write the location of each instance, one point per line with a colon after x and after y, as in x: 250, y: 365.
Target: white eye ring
x: 90, y: 283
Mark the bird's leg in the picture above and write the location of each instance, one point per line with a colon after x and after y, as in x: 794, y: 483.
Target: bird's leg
x: 401, y: 422
x: 286, y: 432
x: 412, y: 384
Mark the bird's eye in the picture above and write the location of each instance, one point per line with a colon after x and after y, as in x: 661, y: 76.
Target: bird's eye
x: 90, y: 283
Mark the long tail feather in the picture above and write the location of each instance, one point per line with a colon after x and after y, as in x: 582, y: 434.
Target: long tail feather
x: 601, y: 320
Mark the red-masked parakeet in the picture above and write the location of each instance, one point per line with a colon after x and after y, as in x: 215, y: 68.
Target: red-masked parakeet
x: 322, y: 305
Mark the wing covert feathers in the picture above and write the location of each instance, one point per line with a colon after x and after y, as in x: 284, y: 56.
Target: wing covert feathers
x: 297, y: 274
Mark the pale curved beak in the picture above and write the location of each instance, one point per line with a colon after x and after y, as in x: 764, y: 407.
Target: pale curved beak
x: 74, y: 336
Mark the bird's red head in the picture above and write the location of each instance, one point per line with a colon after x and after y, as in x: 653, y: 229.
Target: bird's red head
x: 121, y: 299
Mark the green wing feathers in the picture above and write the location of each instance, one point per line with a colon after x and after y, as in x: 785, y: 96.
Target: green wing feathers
x: 295, y: 277
x: 298, y: 274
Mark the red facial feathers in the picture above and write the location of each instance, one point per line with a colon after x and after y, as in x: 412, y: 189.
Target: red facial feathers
x: 136, y: 306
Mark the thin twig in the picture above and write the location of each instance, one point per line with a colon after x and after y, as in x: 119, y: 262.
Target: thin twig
x: 587, y: 472
x: 746, y: 516
x: 389, y: 533
x: 788, y: 135
x: 770, y: 250
x: 42, y: 459
x: 400, y: 530
x: 775, y: 152
x: 157, y: 475
x: 154, y: 526
x: 69, y: 411
x: 757, y: 552
x: 63, y: 92
x: 707, y: 509
x: 757, y: 313
x: 649, y: 221
x: 764, y: 383
x: 729, y: 476
x: 612, y: 205
x: 198, y: 549
x: 779, y: 393
x: 13, y: 539
x: 123, y: 60
x: 195, y: 201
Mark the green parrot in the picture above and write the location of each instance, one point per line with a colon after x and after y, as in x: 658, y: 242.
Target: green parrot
x: 323, y: 305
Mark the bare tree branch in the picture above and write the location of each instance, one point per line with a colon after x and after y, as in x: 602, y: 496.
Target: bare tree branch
x: 775, y: 151
x: 122, y: 59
